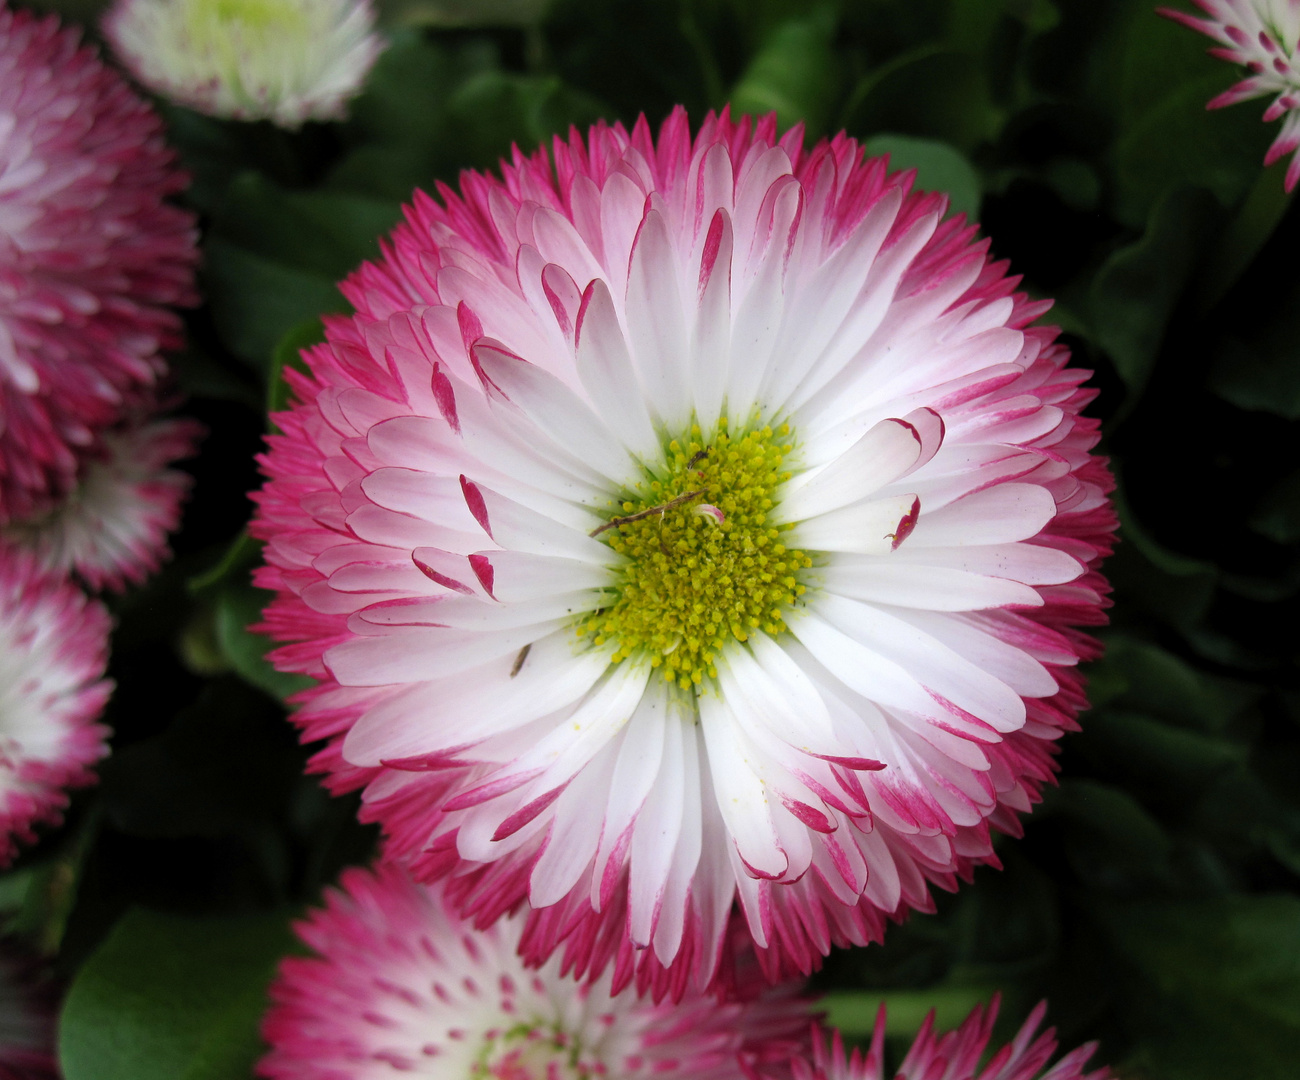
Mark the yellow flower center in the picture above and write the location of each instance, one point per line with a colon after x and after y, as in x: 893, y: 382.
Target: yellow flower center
x: 704, y: 563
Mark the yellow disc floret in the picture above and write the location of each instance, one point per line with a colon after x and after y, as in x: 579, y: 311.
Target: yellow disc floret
x: 704, y: 561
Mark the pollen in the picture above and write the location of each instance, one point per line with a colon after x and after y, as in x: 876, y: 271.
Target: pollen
x: 704, y: 562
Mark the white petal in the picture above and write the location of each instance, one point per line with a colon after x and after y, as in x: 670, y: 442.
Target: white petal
x: 673, y: 904
x: 935, y: 665
x: 655, y: 836
x: 641, y: 749
x: 573, y: 836
x: 656, y: 323
x: 605, y: 368
x: 463, y: 709
x: 555, y: 409
x: 741, y: 796
x: 884, y: 580
x: 711, y: 335
x: 515, y: 576
x: 417, y: 654
x: 880, y: 457
x: 517, y: 528
x: 867, y: 528
x: 998, y: 515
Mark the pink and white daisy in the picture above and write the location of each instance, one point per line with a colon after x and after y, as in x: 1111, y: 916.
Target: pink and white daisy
x: 28, y: 1006
x: 953, y: 1056
x: 286, y: 61
x: 402, y: 984
x: 53, y: 651
x: 91, y: 255
x: 686, y: 522
x: 1262, y: 36
x: 111, y: 529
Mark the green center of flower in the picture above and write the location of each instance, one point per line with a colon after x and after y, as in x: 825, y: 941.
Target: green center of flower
x: 704, y: 563
x: 254, y: 14
x: 528, y: 1052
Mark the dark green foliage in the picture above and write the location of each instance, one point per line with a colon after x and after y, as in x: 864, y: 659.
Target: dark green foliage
x: 1154, y: 895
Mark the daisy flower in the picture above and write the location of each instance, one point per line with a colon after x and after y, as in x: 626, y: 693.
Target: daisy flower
x: 1262, y: 36
x: 91, y: 255
x: 53, y: 651
x: 401, y: 984
x: 681, y: 522
x: 286, y: 61
x: 954, y: 1056
x: 111, y: 529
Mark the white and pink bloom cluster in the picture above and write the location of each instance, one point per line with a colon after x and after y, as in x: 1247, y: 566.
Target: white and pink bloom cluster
x: 1263, y: 36
x: 401, y: 985
x: 687, y: 526
x: 287, y: 61
x: 92, y: 259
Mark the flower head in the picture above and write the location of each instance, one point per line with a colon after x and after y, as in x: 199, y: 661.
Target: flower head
x: 402, y: 984
x: 281, y: 60
x: 1262, y: 36
x: 53, y: 651
x: 560, y: 682
x: 953, y: 1056
x: 28, y: 1006
x: 111, y: 528
x: 90, y: 255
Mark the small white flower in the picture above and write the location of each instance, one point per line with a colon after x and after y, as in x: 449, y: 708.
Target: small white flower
x: 281, y: 60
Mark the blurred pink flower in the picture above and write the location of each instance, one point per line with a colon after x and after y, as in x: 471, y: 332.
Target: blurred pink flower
x: 111, y: 528
x: 91, y: 255
x: 1262, y: 36
x: 53, y: 651
x: 401, y: 985
x: 556, y: 680
x: 956, y: 1055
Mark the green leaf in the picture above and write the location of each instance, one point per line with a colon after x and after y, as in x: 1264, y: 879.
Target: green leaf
x: 1166, y: 761
x: 1159, y: 683
x: 1173, y: 588
x: 172, y: 998
x: 1258, y: 368
x: 1278, y: 514
x: 854, y: 1012
x: 1110, y: 837
x: 931, y: 92
x: 1136, y: 290
x: 1220, y: 988
x: 795, y: 74
x: 1244, y: 237
x: 938, y: 168
x: 237, y: 608
x: 318, y: 232
x: 288, y: 354
x: 221, y: 768
x: 256, y: 301
x: 494, y: 110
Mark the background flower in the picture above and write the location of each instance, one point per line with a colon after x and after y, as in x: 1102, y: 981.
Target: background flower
x: 281, y: 60
x: 1262, y: 36
x: 401, y: 984
x: 53, y: 650
x: 481, y: 520
x: 961, y: 1054
x: 111, y: 528
x: 91, y: 256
